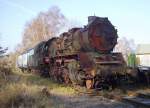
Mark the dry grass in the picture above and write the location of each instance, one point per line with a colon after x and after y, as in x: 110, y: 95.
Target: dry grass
x: 26, y: 90
x: 32, y: 91
x: 52, y: 86
x: 22, y: 95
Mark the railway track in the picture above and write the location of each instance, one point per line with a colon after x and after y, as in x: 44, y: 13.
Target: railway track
x: 140, y: 100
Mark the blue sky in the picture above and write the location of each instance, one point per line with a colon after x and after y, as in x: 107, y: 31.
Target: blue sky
x: 131, y: 17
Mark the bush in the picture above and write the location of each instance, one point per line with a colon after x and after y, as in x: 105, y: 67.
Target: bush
x: 8, y: 65
x: 5, y: 67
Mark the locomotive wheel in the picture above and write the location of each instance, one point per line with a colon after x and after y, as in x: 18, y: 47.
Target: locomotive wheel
x: 89, y: 84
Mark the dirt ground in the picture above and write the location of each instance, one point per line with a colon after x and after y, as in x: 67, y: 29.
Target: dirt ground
x: 85, y: 101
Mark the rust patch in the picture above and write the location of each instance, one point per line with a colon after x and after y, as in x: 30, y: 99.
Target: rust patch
x: 85, y: 60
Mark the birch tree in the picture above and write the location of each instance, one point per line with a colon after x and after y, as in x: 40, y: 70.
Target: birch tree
x: 46, y: 25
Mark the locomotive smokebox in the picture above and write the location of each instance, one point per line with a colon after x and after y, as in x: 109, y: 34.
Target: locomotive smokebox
x: 102, y: 34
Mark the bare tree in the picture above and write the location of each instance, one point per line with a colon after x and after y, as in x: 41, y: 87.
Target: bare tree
x: 125, y: 46
x: 44, y: 26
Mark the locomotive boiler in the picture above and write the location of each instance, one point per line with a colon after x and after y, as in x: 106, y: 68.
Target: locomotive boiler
x: 82, y: 56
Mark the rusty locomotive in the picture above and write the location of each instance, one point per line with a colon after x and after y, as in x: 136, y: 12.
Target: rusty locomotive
x: 82, y: 56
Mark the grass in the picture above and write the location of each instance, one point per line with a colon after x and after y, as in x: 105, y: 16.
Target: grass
x: 26, y: 90
x: 52, y: 86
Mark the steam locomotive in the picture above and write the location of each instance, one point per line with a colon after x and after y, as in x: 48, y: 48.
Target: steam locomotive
x: 81, y: 56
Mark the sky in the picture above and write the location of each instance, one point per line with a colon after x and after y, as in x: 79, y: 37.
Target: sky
x: 130, y: 17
